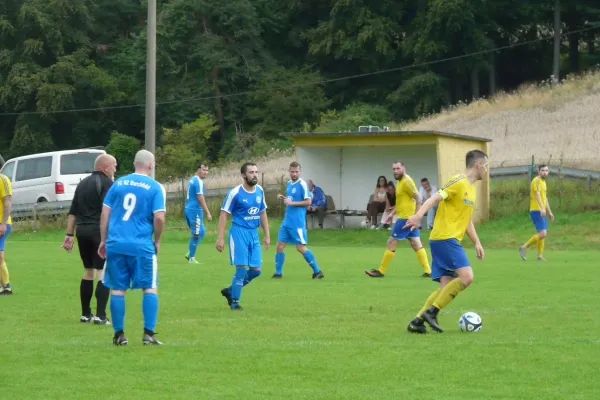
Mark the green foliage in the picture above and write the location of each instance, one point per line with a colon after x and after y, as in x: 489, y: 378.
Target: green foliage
x: 423, y: 93
x: 123, y: 148
x: 182, y: 149
x: 349, y: 119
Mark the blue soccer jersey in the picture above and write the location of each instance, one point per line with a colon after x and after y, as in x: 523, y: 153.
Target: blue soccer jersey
x: 133, y: 200
x: 245, y: 207
x: 295, y: 217
x: 195, y: 189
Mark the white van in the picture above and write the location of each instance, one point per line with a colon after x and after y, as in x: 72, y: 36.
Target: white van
x: 49, y: 176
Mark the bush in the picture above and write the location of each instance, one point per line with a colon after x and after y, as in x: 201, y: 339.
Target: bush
x: 353, y: 116
x: 123, y: 148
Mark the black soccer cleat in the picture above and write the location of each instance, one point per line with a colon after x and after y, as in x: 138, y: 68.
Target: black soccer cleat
x: 431, y: 319
x: 86, y: 319
x: 318, y: 275
x: 101, y: 321
x: 416, y: 326
x: 120, y: 340
x: 227, y: 294
x: 275, y: 276
x: 235, y: 306
x: 151, y: 339
x: 374, y: 273
x: 426, y: 275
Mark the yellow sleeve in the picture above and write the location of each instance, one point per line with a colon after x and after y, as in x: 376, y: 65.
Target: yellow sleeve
x: 5, y: 187
x: 536, y: 185
x: 411, y: 188
x: 451, y: 187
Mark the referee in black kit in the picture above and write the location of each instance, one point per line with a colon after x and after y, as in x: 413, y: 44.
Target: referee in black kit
x: 84, y: 215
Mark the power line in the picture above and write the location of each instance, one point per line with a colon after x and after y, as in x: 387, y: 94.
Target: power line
x: 321, y: 82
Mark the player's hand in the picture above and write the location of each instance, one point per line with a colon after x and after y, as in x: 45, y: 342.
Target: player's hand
x: 551, y: 217
x: 102, y: 250
x: 413, y: 223
x: 543, y: 213
x: 209, y: 217
x: 68, y: 244
x: 287, y: 201
x: 220, y: 244
x: 280, y: 196
x: 480, y: 251
x: 3, y: 229
x: 267, y: 242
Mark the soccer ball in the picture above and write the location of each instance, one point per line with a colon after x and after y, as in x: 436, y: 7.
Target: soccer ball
x: 470, y: 322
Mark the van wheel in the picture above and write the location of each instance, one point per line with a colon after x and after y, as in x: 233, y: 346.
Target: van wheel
x: 42, y: 200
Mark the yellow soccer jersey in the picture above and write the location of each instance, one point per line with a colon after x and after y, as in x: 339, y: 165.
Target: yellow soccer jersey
x: 455, y: 210
x: 5, y: 190
x: 538, y: 185
x: 405, y: 201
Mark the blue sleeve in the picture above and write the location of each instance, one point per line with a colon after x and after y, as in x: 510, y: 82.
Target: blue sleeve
x: 305, y: 191
x: 109, y: 199
x: 263, y: 203
x: 159, y: 202
x: 199, y: 187
x: 230, y: 201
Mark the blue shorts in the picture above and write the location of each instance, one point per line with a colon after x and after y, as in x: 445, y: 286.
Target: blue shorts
x: 244, y: 247
x: 541, y: 223
x: 3, y: 238
x: 295, y: 236
x: 122, y: 272
x: 399, y: 233
x: 195, y: 221
x: 447, y: 256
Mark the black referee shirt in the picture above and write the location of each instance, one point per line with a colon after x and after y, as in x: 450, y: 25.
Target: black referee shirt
x: 87, y: 203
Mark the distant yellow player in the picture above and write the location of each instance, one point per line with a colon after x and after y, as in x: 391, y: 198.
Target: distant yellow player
x: 539, y: 210
x: 408, y: 202
x: 5, y: 229
x: 451, y: 266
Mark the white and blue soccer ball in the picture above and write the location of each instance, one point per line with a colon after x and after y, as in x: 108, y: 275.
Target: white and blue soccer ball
x: 470, y: 322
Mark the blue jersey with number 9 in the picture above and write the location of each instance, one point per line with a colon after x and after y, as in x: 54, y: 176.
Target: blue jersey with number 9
x: 133, y: 200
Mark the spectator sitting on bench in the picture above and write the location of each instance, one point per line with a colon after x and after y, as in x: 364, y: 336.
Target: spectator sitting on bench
x: 378, y: 202
x: 389, y: 217
x: 319, y: 202
x: 426, y: 191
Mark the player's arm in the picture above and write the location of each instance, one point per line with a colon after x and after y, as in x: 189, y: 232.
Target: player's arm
x: 472, y: 234
x: 429, y: 204
x: 201, y: 199
x: 412, y: 190
x: 159, y: 210
x: 538, y: 195
x: 264, y: 220
x: 303, y: 203
x: 6, y: 196
x: 226, y: 210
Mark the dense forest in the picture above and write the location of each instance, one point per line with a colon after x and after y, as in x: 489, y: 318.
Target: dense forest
x: 232, y: 75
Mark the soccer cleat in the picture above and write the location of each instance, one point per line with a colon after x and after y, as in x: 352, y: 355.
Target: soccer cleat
x: 101, y: 321
x: 227, y: 294
x: 151, y: 339
x: 523, y: 253
x: 85, y: 319
x: 120, y: 340
x: 187, y: 256
x: 318, y: 275
x: 235, y: 306
x: 6, y: 291
x: 374, y: 273
x: 431, y: 320
x: 541, y: 259
x: 192, y: 261
x: 416, y: 326
x: 426, y: 275
x: 275, y: 276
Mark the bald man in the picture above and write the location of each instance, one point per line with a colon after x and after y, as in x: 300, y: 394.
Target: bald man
x: 84, y: 220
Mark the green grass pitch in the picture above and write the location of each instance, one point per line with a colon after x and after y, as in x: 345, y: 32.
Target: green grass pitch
x: 343, y: 337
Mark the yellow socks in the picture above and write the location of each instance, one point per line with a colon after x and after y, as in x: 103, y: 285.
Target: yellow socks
x: 534, y: 239
x: 4, y: 274
x: 448, y: 293
x: 429, y: 302
x: 422, y: 257
x: 388, y: 256
x: 540, y: 248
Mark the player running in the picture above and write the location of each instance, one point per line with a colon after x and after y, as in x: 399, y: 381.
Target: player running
x: 408, y: 202
x: 539, y: 210
x: 131, y: 227
x: 451, y: 266
x: 5, y: 230
x: 248, y: 209
x: 195, y: 209
x: 293, y: 229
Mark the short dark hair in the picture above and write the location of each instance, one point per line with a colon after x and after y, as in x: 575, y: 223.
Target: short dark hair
x: 295, y: 164
x: 541, y: 166
x: 424, y: 180
x: 398, y: 162
x: 245, y: 166
x: 474, y: 156
x: 202, y: 164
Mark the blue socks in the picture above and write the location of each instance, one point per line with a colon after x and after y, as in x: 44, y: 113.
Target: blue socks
x: 195, y: 241
x: 117, y: 311
x: 312, y: 261
x: 279, y: 260
x: 150, y: 309
x: 251, y: 275
x: 237, y: 283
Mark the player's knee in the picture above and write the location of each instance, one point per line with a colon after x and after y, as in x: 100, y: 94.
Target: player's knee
x: 151, y: 291
x: 117, y: 292
x: 302, y: 249
x: 416, y: 244
x: 391, y: 244
x: 280, y: 247
x: 88, y: 274
x: 466, y: 276
x: 543, y: 234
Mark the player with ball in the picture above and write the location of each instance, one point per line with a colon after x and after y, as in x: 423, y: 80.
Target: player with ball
x: 451, y: 266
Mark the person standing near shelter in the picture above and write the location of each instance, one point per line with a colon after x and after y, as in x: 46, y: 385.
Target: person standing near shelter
x: 84, y: 221
x: 426, y: 191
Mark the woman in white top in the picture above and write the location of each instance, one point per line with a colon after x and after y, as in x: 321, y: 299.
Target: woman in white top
x: 378, y: 203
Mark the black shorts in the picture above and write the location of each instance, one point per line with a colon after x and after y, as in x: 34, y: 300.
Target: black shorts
x: 88, y: 250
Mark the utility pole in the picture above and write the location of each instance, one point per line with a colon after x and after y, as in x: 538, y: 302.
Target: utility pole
x: 557, y: 37
x: 151, y: 80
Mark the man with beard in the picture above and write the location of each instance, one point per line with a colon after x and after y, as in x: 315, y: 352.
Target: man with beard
x: 293, y: 230
x: 408, y: 202
x: 248, y: 209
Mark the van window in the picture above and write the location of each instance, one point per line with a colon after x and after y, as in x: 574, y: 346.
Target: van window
x: 8, y: 169
x: 34, y: 168
x: 77, y: 163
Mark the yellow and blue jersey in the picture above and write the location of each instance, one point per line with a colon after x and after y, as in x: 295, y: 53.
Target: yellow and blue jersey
x: 245, y: 207
x: 295, y: 217
x: 405, y: 197
x: 5, y: 191
x: 195, y: 189
x: 133, y: 200
x: 455, y: 210
x: 538, y: 185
